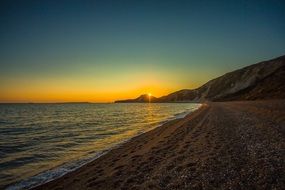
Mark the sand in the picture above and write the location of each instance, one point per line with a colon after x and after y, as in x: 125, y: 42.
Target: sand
x: 226, y: 145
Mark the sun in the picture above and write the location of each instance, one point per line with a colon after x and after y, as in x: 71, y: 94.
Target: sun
x: 149, y: 94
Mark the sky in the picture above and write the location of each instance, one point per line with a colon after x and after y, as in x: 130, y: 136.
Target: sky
x: 101, y: 51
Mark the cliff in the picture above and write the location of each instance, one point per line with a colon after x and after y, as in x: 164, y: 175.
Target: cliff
x: 264, y: 80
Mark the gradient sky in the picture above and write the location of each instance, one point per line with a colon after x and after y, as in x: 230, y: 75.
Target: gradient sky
x: 104, y: 50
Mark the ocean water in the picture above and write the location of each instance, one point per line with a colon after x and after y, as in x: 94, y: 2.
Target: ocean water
x: 40, y: 142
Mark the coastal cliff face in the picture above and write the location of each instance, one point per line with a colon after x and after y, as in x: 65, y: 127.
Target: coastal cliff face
x: 264, y: 80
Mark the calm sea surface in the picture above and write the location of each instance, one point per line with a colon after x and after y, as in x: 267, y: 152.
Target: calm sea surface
x: 39, y: 142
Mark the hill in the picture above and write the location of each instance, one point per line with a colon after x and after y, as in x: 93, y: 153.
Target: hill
x: 264, y: 80
x: 141, y: 99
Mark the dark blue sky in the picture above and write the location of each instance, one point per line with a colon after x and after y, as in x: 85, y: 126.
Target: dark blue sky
x: 103, y: 41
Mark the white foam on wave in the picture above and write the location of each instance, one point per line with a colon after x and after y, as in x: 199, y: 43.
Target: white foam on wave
x: 59, y: 171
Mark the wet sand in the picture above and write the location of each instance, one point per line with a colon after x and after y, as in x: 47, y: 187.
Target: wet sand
x: 226, y: 145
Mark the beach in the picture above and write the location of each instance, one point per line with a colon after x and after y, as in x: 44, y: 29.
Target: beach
x: 222, y: 145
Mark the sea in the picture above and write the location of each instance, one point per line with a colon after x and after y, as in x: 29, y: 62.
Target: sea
x: 41, y: 142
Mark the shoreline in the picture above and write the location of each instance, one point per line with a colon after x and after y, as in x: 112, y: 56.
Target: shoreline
x: 28, y: 183
x: 108, y: 151
x: 194, y: 152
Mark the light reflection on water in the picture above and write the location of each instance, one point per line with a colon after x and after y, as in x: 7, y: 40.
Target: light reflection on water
x: 37, y: 137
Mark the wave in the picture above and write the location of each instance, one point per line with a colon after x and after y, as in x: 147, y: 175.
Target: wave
x: 63, y: 169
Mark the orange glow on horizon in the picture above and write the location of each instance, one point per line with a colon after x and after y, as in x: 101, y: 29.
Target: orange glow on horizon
x: 88, y: 88
x: 53, y: 95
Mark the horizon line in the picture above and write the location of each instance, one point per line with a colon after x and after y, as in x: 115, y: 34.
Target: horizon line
x: 79, y: 102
